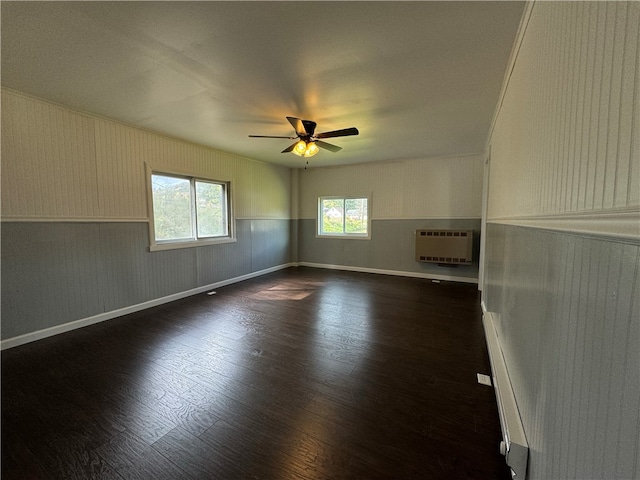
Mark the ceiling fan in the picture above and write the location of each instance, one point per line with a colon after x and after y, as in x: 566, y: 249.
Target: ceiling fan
x: 308, y: 141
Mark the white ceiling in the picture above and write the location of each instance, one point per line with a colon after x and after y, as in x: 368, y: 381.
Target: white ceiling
x: 418, y: 79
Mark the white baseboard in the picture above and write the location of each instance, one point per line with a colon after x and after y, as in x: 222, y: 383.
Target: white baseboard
x: 398, y: 273
x: 514, y: 445
x: 483, y: 306
x: 84, y: 322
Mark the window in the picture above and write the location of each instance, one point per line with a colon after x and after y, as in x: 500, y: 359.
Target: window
x: 189, y: 211
x: 343, y: 217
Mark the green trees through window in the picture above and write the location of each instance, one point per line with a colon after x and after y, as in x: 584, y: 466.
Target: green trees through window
x: 343, y: 216
x: 211, y: 209
x: 172, y: 217
x: 182, y: 203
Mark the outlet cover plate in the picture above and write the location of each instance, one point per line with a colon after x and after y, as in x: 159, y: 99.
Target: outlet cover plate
x: 484, y: 379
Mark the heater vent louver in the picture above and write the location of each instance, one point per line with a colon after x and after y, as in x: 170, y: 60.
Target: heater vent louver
x: 453, y: 247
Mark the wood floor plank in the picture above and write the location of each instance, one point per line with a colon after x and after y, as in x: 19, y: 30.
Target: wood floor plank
x: 195, y: 457
x: 19, y: 461
x: 300, y: 374
x: 68, y: 457
x: 135, y: 459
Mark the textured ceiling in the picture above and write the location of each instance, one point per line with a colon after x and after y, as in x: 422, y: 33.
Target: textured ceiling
x: 418, y: 79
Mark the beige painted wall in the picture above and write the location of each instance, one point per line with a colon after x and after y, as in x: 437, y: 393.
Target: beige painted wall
x: 567, y: 137
x: 61, y: 164
x: 446, y: 187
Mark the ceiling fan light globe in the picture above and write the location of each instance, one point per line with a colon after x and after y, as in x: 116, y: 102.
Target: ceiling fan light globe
x: 300, y: 148
x: 311, y: 149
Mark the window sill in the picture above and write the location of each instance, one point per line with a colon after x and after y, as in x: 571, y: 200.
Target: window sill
x: 344, y: 237
x: 159, y: 247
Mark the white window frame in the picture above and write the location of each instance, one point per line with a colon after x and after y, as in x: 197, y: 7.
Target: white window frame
x: 194, y: 241
x: 354, y: 236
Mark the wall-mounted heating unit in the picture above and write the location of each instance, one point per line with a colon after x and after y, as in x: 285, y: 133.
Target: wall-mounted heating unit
x: 514, y: 444
x: 444, y: 246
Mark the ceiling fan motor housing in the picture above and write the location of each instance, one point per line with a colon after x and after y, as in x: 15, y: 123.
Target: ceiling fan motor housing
x: 309, y: 126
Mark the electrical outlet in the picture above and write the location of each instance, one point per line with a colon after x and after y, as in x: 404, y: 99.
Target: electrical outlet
x: 484, y: 379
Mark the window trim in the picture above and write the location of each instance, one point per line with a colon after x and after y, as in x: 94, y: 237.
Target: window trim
x: 162, y: 245
x: 350, y: 236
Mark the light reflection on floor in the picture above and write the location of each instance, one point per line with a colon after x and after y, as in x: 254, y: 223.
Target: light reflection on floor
x: 337, y: 349
x: 288, y: 291
x: 342, y: 307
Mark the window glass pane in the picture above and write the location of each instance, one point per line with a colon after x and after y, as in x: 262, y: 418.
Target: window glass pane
x: 211, y: 209
x: 355, y: 215
x: 332, y: 215
x: 171, y: 207
x: 343, y: 216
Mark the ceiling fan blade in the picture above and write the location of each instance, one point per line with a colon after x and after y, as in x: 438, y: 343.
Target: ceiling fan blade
x: 269, y: 136
x: 328, y: 146
x: 297, y: 125
x: 289, y: 148
x: 345, y: 132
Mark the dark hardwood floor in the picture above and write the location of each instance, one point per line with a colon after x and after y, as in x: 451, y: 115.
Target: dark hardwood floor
x: 300, y: 374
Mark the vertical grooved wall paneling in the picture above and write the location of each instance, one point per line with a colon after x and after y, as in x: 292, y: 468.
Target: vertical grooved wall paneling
x: 48, y: 161
x: 444, y: 187
x: 129, y: 274
x: 406, y: 195
x: 271, y: 184
x: 61, y: 164
x: 570, y: 332
x: 121, y: 152
x: 75, y: 236
x: 49, y: 272
x: 565, y: 141
x: 566, y: 137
